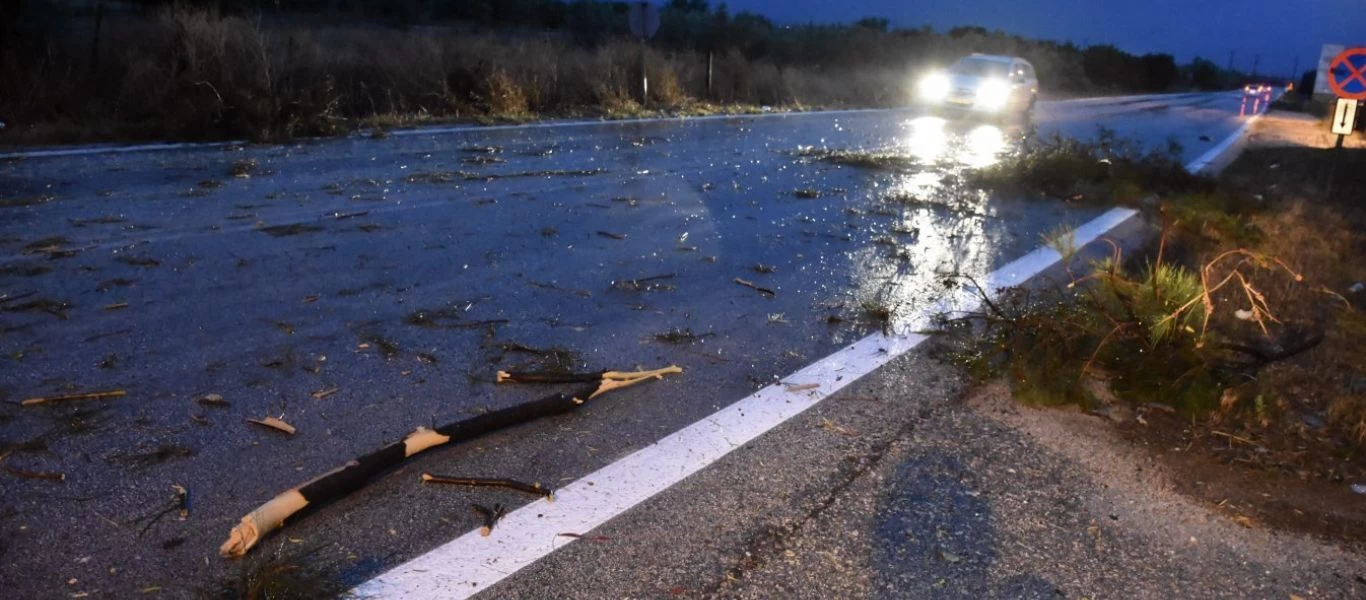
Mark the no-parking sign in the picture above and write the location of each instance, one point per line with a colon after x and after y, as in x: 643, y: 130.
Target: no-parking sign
x: 1347, y: 74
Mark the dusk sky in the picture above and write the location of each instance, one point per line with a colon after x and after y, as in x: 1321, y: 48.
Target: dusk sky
x: 1277, y: 29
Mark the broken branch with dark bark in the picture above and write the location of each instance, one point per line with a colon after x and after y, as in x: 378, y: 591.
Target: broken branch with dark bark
x: 361, y: 470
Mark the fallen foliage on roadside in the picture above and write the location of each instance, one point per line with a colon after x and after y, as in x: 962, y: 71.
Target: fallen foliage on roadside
x: 1243, y: 317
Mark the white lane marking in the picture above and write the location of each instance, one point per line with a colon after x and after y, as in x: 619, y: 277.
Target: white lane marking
x: 471, y: 563
x: 1213, y: 154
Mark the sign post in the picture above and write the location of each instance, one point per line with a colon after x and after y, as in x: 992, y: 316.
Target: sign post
x: 644, y: 22
x: 1347, y: 79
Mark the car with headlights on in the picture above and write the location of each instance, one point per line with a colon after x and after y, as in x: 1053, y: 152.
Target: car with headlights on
x: 984, y: 85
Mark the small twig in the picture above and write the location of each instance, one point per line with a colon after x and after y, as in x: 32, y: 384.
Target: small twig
x: 1234, y: 437
x: 762, y: 290
x: 26, y: 474
x: 491, y: 516
x: 530, y: 488
x: 85, y: 396
x: 615, y: 236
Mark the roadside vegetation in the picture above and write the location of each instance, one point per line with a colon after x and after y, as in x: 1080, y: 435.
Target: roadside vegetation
x: 1241, y: 320
x: 277, y: 70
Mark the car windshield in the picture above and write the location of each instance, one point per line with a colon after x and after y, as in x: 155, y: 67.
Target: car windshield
x: 980, y: 67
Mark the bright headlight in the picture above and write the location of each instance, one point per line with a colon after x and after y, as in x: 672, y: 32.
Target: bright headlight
x: 993, y: 94
x: 934, y: 87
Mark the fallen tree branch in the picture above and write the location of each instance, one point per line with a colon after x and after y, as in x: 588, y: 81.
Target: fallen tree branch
x: 361, y: 470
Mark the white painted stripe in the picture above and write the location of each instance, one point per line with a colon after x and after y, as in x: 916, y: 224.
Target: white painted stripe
x: 471, y: 563
x: 1214, y: 154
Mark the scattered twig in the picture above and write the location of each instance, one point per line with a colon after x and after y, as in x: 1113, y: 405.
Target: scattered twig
x: 65, y: 397
x: 490, y: 515
x: 829, y: 425
x: 530, y: 488
x: 275, y: 424
x: 116, y: 306
x: 320, y: 394
x: 596, y: 538
x: 362, y: 469
x: 1234, y: 437
x: 180, y: 502
x: 762, y: 290
x: 551, y: 286
x: 214, y: 400
x: 792, y: 387
x: 615, y: 236
x: 27, y: 474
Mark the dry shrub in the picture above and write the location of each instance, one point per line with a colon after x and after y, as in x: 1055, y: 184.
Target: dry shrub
x: 502, y: 97
x: 184, y: 72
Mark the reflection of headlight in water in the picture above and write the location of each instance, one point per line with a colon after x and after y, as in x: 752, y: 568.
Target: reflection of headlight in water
x: 985, y: 144
x: 992, y: 94
x: 928, y: 140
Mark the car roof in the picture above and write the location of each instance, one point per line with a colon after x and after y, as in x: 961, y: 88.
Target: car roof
x: 995, y: 57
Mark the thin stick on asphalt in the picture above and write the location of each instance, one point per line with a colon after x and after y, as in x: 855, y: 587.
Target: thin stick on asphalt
x: 762, y: 290
x: 356, y: 473
x: 511, y: 484
x: 85, y: 396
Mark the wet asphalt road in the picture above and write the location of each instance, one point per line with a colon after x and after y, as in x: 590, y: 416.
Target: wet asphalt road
x: 392, y: 277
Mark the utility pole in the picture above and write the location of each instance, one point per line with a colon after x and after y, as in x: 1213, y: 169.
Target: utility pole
x: 1256, y: 59
x: 1230, y: 60
x: 1295, y: 71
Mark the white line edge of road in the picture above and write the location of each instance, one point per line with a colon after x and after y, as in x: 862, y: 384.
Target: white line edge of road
x: 449, y: 129
x: 471, y: 563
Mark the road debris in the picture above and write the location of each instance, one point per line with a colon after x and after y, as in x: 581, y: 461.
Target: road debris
x: 214, y: 400
x: 25, y: 473
x: 580, y: 536
x: 511, y: 484
x: 829, y: 425
x: 680, y: 335
x: 66, y: 397
x: 762, y: 290
x: 356, y: 473
x: 323, y: 393
x: 179, y: 503
x: 802, y: 387
x: 491, y: 516
x: 275, y: 424
x: 116, y: 306
x: 615, y: 236
x: 646, y: 284
x: 551, y: 286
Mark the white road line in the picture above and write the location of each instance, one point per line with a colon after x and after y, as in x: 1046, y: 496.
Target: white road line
x: 1211, y: 156
x: 470, y: 563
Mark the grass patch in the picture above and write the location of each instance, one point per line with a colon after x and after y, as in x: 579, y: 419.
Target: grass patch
x: 1105, y: 170
x: 877, y: 160
x: 1240, y: 317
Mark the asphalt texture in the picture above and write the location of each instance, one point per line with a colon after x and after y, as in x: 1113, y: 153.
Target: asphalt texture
x: 357, y: 288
